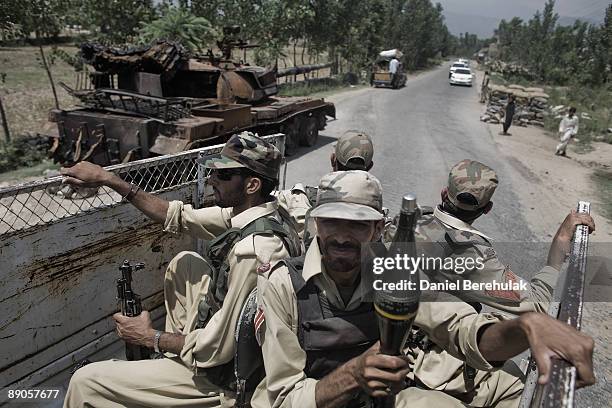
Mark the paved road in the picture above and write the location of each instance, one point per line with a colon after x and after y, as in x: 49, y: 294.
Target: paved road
x: 419, y: 132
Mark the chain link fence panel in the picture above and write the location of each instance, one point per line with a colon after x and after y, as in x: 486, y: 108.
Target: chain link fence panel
x: 27, y: 205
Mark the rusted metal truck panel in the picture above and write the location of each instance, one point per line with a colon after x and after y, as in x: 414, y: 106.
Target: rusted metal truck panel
x: 59, y: 262
x: 53, y: 274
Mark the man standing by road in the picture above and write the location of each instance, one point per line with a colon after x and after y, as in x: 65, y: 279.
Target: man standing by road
x: 484, y: 86
x: 508, y: 115
x: 393, y: 67
x: 321, y: 347
x: 568, y: 128
x: 202, y: 304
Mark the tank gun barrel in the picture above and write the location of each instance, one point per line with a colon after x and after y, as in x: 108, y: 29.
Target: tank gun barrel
x: 301, y: 69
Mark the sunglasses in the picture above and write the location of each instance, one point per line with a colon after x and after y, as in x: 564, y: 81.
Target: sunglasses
x: 226, y: 174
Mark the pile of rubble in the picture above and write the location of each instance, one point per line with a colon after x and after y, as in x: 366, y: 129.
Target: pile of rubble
x: 531, y: 105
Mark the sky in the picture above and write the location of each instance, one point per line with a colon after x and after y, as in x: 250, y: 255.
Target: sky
x: 482, y: 16
x: 588, y: 9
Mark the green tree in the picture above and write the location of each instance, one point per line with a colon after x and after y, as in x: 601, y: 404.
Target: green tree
x: 43, y: 18
x: 558, y: 54
x: 178, y: 24
x: 115, y: 21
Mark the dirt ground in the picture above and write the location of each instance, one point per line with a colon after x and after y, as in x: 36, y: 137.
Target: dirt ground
x: 558, y: 183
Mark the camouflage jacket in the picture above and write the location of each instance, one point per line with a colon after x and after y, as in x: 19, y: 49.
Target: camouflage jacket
x: 440, y: 235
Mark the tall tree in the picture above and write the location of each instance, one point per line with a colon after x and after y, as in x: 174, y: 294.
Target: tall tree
x: 178, y: 24
x: 116, y: 21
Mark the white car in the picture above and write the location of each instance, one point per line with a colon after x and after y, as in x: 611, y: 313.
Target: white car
x: 464, y: 61
x: 456, y: 65
x: 461, y: 76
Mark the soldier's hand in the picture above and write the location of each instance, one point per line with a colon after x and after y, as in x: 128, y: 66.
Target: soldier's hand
x: 563, y: 238
x: 380, y: 375
x: 85, y: 174
x: 573, y: 219
x: 136, y: 330
x: 550, y: 338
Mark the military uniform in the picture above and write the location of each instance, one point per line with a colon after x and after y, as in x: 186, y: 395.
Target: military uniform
x: 354, y: 150
x: 199, y: 375
x: 453, y: 238
x: 297, y: 345
x: 297, y: 202
x: 443, y: 235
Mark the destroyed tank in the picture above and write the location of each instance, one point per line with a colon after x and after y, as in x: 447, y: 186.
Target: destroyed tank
x: 160, y: 99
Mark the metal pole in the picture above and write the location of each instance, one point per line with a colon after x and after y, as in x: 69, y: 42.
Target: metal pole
x: 559, y: 392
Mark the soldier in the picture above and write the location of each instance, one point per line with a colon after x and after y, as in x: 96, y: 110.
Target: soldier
x: 320, y: 345
x: 467, y: 197
x: 203, y: 297
x: 448, y: 233
x: 353, y: 151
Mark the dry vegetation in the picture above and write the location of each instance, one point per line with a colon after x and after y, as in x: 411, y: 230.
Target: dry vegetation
x: 26, y: 92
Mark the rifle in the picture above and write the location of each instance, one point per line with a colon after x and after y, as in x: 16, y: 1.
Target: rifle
x: 130, y: 305
x: 559, y: 392
x: 248, y: 358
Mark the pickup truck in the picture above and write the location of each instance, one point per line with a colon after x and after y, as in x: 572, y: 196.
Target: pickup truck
x: 59, y: 261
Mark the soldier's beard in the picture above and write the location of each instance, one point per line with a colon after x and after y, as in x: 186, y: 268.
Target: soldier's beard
x: 230, y: 198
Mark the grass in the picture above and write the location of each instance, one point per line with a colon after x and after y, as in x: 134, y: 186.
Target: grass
x: 32, y: 171
x: 596, y: 102
x: 603, y: 179
x: 26, y: 92
x: 318, y: 90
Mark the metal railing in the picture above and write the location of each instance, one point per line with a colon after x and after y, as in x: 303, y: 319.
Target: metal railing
x: 567, y: 307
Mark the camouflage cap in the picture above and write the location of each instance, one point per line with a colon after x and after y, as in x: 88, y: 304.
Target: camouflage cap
x: 349, y: 195
x: 354, y: 145
x: 248, y: 150
x: 475, y: 178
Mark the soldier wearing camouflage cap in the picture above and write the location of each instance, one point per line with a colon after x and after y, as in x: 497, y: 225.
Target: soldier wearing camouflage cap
x: 247, y: 150
x: 353, y: 151
x: 466, y: 198
x: 319, y: 341
x: 204, y: 296
x: 447, y: 232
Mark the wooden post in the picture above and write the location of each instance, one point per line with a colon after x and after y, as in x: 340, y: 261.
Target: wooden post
x: 44, y: 62
x: 7, y: 134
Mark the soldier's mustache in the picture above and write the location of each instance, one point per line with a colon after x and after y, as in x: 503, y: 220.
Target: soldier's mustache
x: 343, y: 245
